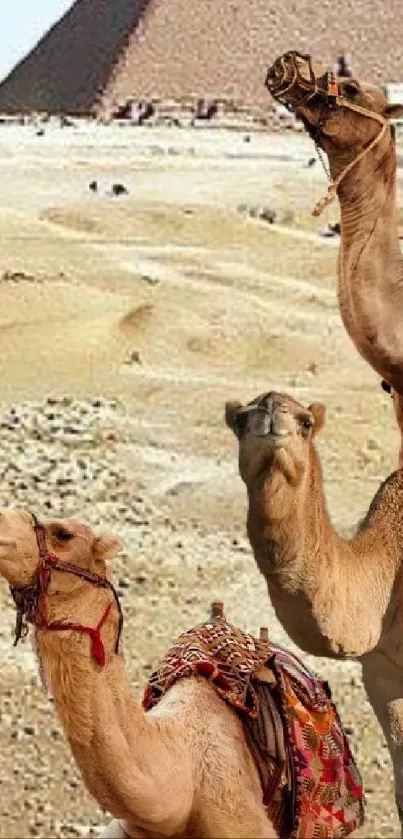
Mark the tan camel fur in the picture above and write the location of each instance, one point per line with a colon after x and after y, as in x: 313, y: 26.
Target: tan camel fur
x: 184, y: 768
x: 370, y: 269
x: 335, y: 597
x: 398, y: 408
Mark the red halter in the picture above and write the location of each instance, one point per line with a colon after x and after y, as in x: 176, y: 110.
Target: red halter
x: 31, y: 600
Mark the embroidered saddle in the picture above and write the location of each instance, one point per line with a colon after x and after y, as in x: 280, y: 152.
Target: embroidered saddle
x: 311, y: 785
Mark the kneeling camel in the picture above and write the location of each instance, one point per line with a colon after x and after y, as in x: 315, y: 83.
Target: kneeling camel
x: 235, y: 738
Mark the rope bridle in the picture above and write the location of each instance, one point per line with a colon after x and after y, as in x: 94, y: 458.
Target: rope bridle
x: 31, y: 600
x: 327, y: 87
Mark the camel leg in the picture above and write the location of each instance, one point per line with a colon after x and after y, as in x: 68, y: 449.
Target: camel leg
x: 383, y: 683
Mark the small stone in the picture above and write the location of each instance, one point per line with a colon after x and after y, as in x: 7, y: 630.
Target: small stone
x: 29, y: 729
x: 133, y: 358
x: 268, y: 214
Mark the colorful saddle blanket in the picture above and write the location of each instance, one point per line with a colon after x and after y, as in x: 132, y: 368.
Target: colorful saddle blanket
x: 311, y: 785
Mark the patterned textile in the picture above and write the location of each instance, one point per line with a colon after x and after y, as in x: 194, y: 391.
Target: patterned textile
x: 312, y: 787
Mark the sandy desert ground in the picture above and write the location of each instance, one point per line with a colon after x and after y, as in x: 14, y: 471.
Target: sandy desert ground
x: 125, y: 324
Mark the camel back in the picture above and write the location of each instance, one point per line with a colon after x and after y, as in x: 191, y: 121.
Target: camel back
x: 311, y: 785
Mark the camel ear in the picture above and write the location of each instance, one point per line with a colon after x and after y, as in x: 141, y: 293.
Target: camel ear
x: 106, y: 546
x: 231, y: 416
x: 318, y: 412
x: 393, y: 111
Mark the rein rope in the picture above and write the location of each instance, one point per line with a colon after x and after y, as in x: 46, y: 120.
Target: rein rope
x: 332, y: 189
x: 331, y: 91
x: 31, y: 600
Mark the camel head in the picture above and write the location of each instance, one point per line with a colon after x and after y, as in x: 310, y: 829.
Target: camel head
x: 342, y: 115
x: 67, y: 540
x: 275, y: 434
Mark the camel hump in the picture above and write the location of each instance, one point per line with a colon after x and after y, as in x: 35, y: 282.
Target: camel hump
x: 217, y: 609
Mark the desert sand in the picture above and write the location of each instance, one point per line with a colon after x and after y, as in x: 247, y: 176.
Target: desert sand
x: 125, y: 324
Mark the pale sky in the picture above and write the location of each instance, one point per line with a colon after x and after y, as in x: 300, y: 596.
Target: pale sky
x: 22, y: 23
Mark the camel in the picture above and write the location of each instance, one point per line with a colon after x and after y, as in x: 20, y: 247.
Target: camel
x: 335, y: 597
x: 350, y: 122
x: 186, y: 767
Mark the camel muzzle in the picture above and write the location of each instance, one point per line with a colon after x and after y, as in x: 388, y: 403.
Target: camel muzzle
x: 271, y: 420
x: 294, y: 78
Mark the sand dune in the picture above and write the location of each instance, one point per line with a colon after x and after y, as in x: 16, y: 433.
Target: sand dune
x: 167, y: 301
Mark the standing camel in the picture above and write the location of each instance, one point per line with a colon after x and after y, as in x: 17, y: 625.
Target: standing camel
x: 193, y: 765
x: 335, y: 597
x: 350, y: 122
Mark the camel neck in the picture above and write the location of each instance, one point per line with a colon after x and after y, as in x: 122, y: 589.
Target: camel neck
x: 367, y: 200
x: 370, y: 273
x: 286, y: 524
x: 331, y: 594
x: 108, y: 732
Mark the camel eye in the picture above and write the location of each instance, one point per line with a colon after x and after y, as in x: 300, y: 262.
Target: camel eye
x: 63, y: 535
x: 306, y: 423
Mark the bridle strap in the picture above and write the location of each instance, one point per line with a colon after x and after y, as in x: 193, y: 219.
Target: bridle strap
x: 97, y: 646
x: 30, y: 599
x: 332, y: 189
x: 51, y: 562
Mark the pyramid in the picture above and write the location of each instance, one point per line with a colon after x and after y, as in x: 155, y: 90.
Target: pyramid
x: 73, y: 61
x: 105, y: 51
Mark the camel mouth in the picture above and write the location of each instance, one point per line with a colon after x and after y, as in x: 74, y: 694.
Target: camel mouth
x: 266, y: 425
x: 278, y: 439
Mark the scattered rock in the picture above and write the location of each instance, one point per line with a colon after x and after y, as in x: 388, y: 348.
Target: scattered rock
x: 18, y: 277
x: 66, y: 122
x: 150, y: 280
x: 133, y: 358
x: 267, y: 214
x: 119, y: 189
x: 60, y: 455
x: 330, y: 231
